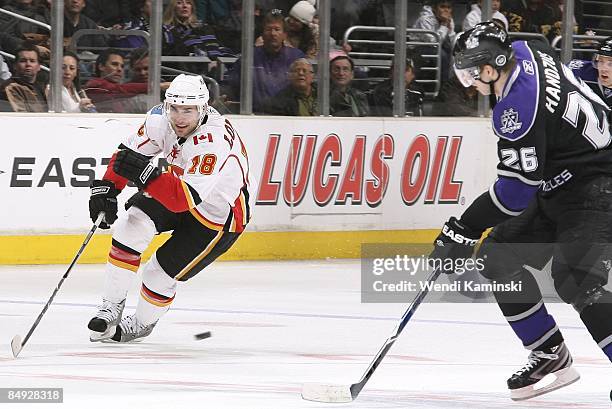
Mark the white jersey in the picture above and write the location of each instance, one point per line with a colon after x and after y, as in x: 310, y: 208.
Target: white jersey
x: 212, y: 162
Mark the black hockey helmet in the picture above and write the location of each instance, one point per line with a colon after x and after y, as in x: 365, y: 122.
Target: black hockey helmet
x: 604, y: 50
x: 605, y: 47
x: 485, y: 44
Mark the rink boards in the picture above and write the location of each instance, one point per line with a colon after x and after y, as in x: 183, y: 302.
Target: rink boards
x: 323, y: 185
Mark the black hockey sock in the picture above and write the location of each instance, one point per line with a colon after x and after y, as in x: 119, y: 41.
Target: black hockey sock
x: 597, y: 318
x: 527, y: 315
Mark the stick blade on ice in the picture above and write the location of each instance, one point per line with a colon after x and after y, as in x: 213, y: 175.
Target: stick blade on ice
x: 319, y: 392
x: 16, y: 345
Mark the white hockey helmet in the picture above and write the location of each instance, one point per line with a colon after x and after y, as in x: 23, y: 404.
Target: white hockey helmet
x: 188, y: 90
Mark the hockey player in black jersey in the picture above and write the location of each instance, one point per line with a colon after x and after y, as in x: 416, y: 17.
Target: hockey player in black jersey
x: 597, y: 73
x: 553, y: 186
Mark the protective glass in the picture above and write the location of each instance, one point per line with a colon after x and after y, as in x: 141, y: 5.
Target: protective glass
x: 467, y: 76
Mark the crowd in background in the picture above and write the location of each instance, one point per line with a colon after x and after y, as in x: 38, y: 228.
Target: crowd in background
x: 109, y: 73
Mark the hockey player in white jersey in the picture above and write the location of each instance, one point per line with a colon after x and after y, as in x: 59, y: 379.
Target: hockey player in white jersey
x: 203, y: 198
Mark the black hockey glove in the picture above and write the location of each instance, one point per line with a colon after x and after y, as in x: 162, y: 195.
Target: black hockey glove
x: 103, y: 199
x: 454, y: 245
x: 135, y: 167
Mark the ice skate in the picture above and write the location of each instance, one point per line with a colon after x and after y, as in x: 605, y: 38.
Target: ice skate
x: 547, y: 370
x: 103, y: 325
x: 130, y: 330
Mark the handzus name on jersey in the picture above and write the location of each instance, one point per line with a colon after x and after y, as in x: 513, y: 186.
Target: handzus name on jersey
x: 553, y: 82
x: 556, y: 181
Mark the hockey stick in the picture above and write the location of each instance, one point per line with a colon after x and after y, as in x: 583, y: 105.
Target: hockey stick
x: 17, y: 344
x: 342, y: 393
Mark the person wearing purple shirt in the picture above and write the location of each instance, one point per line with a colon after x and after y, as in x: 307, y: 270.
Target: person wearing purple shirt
x: 270, y: 63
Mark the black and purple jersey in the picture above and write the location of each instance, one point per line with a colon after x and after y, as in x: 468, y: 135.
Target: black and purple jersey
x: 553, y: 130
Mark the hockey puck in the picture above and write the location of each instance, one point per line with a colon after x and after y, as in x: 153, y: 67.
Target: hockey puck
x: 203, y: 335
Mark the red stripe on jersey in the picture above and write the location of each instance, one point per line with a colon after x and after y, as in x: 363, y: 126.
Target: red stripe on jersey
x: 119, y: 181
x: 246, y: 156
x: 167, y: 189
x: 143, y: 143
x: 239, y: 212
x: 177, y: 170
x: 244, y: 181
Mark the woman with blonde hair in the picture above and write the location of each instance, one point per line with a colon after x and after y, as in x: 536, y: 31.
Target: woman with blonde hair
x: 181, y: 12
x: 184, y: 34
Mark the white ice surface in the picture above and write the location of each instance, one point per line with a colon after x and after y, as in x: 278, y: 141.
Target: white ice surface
x: 274, y: 326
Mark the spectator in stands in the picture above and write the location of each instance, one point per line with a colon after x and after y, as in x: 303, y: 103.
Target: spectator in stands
x: 15, y: 31
x: 381, y: 97
x: 107, y: 13
x: 75, y: 20
x: 344, y: 99
x: 5, y: 73
x: 456, y: 100
x: 299, y: 98
x: 74, y: 98
x: 532, y: 16
x: 22, y: 92
x: 475, y: 15
x: 139, y: 65
x: 271, y: 63
x: 107, y: 90
x: 439, y: 18
x: 139, y: 69
x: 140, y: 17
x: 184, y: 34
x: 301, y: 32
